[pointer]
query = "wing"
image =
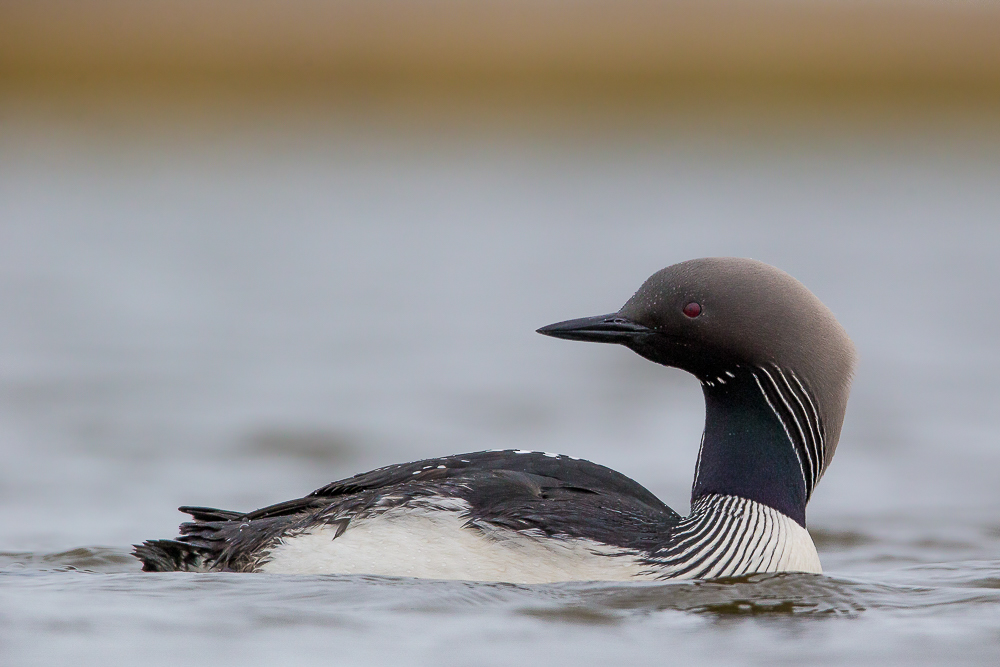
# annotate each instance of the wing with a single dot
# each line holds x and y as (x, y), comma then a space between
(523, 490)
(518, 489)
(614, 514)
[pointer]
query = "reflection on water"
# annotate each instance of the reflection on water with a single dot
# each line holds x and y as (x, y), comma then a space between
(237, 320)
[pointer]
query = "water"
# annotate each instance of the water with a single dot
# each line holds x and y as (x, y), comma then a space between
(233, 316)
(89, 605)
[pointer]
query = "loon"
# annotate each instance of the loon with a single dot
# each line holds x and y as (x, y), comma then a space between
(775, 368)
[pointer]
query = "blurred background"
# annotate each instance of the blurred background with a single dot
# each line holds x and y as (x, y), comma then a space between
(250, 247)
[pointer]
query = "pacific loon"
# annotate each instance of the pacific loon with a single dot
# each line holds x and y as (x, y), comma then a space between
(775, 367)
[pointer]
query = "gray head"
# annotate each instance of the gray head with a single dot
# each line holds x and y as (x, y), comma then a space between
(713, 316)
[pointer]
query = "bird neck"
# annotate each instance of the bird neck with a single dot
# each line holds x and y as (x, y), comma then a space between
(746, 450)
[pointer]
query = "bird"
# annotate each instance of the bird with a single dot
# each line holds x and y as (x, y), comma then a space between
(775, 368)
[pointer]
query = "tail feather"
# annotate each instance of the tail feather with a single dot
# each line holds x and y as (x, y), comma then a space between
(211, 514)
(220, 540)
(197, 549)
(171, 556)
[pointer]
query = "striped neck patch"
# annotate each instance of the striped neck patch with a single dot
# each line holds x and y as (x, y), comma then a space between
(794, 407)
(729, 536)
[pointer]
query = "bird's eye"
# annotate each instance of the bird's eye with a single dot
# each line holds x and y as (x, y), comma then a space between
(693, 309)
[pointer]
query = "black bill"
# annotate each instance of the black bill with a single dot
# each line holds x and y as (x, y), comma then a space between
(601, 329)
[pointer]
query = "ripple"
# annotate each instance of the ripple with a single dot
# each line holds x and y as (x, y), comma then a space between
(106, 560)
(772, 594)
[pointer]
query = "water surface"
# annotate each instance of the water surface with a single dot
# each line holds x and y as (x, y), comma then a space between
(236, 316)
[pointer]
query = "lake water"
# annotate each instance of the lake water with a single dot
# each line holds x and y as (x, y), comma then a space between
(234, 316)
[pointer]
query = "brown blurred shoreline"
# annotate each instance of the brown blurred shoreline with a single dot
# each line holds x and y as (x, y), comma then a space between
(473, 58)
(953, 46)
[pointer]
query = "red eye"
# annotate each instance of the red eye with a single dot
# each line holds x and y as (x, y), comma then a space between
(693, 309)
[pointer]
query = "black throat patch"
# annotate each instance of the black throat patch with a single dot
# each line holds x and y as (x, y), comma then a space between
(748, 448)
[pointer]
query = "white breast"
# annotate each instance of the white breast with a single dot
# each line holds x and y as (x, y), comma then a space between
(729, 536)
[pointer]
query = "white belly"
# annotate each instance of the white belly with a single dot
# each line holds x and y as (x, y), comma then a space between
(434, 544)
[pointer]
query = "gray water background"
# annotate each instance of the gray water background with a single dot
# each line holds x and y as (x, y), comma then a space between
(235, 313)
